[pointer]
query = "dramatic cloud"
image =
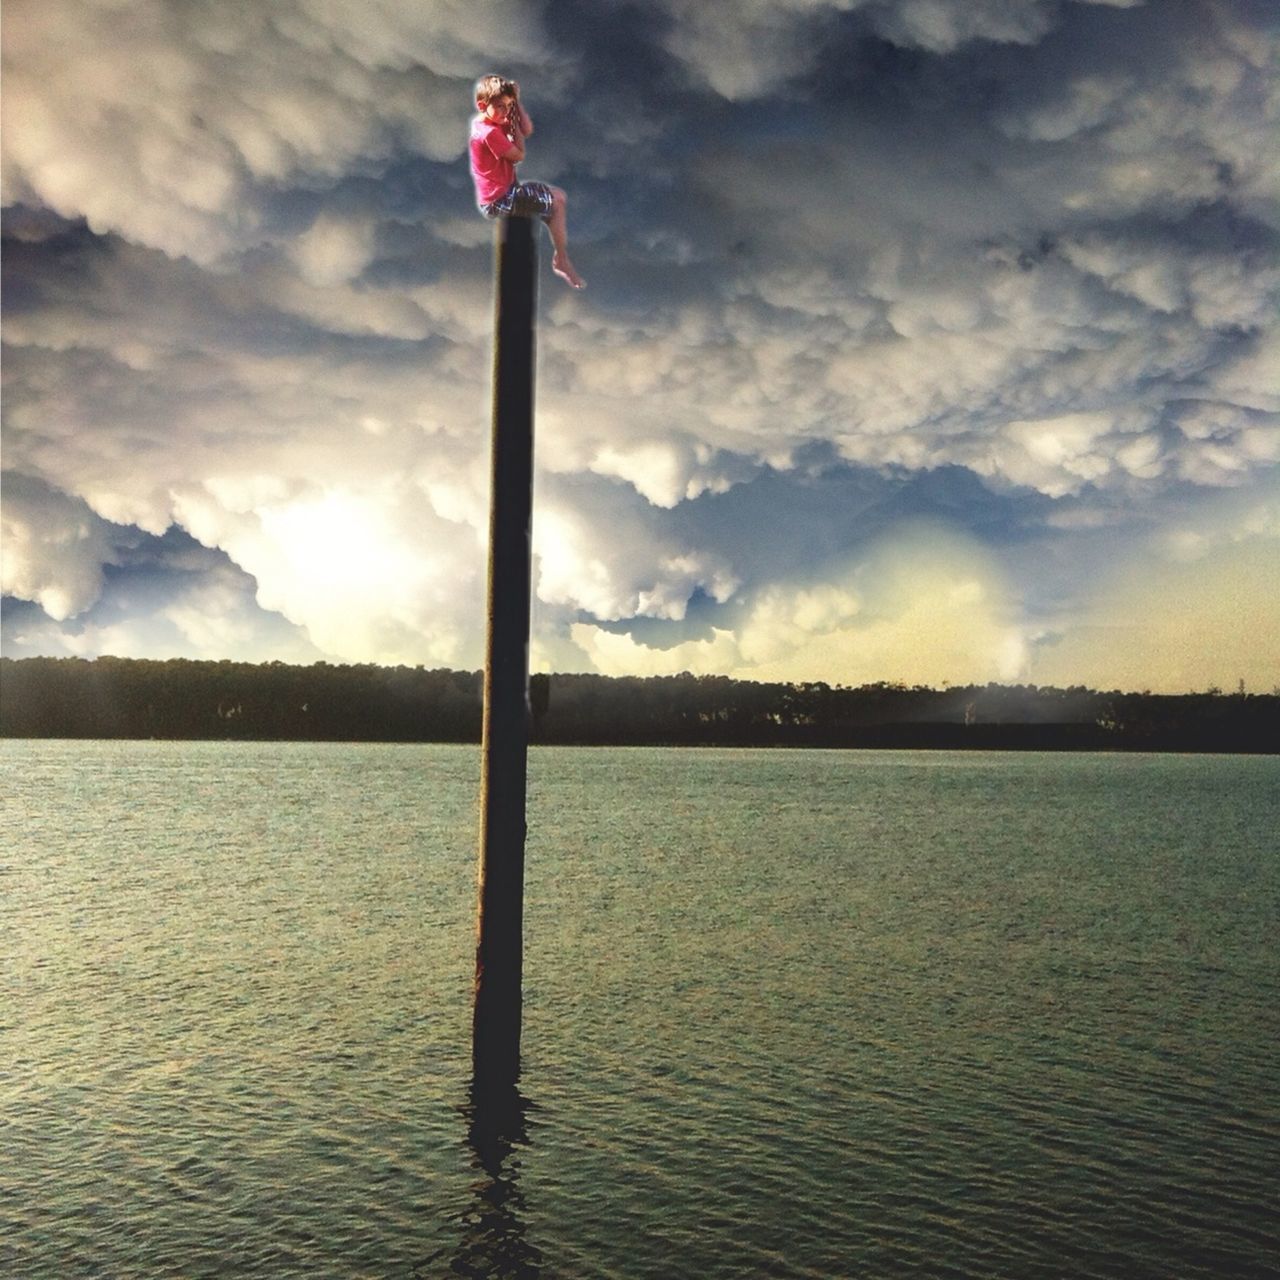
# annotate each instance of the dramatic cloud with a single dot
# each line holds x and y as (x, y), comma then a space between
(925, 604)
(54, 549)
(919, 333)
(193, 128)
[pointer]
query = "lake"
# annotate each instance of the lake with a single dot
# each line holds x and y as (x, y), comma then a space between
(787, 1014)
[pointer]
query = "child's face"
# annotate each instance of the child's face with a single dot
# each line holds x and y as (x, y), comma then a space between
(497, 109)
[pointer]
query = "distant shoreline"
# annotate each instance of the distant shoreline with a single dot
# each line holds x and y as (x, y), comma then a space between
(182, 700)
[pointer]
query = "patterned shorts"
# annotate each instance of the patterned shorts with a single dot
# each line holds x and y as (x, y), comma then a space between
(524, 200)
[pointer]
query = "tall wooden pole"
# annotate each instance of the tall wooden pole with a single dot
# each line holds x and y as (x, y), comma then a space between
(500, 915)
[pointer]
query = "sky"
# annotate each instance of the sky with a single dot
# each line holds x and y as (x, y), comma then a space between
(924, 340)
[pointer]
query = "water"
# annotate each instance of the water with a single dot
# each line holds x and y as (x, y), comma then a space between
(788, 1014)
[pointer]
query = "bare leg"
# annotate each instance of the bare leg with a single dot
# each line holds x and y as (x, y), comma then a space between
(560, 263)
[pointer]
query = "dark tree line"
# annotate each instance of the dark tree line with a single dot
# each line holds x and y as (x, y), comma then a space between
(126, 698)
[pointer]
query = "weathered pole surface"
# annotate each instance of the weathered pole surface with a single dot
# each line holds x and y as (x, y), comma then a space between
(500, 913)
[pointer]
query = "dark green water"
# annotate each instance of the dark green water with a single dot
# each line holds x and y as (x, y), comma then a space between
(793, 1014)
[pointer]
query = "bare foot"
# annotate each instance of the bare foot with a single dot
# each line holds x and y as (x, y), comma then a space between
(561, 265)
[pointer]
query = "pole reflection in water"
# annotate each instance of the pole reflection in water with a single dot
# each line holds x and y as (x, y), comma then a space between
(492, 1227)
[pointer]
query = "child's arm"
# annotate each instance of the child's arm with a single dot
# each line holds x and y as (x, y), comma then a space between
(524, 125)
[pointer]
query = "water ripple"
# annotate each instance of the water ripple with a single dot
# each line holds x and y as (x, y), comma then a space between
(807, 1015)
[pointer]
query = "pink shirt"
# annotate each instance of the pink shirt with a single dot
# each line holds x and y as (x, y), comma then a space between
(491, 172)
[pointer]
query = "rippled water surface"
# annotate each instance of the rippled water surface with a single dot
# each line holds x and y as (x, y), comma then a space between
(788, 1014)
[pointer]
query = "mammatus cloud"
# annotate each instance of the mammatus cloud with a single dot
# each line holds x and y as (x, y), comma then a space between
(180, 126)
(752, 48)
(323, 470)
(842, 243)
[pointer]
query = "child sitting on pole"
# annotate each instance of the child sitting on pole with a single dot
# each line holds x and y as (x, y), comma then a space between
(497, 146)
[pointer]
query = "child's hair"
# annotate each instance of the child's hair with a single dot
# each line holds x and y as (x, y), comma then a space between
(492, 86)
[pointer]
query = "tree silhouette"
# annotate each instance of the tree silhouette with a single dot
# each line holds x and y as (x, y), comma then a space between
(125, 698)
